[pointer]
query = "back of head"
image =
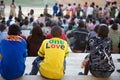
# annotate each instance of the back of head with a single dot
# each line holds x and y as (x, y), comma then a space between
(48, 23)
(31, 11)
(103, 21)
(2, 2)
(19, 6)
(114, 26)
(10, 17)
(14, 30)
(56, 31)
(26, 22)
(117, 20)
(81, 24)
(103, 31)
(96, 28)
(37, 31)
(55, 3)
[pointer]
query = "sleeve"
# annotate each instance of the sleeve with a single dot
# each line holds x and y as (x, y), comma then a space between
(69, 35)
(41, 51)
(66, 50)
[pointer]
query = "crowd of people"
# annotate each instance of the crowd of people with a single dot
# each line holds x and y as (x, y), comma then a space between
(85, 29)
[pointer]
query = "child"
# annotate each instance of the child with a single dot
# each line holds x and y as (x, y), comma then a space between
(13, 54)
(45, 10)
(99, 61)
(51, 56)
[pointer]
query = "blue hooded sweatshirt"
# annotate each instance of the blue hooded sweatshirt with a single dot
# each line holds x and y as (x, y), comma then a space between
(13, 58)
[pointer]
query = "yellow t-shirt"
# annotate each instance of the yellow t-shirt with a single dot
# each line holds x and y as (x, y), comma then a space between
(54, 52)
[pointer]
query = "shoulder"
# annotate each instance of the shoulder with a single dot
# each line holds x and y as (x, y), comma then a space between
(29, 37)
(109, 40)
(46, 40)
(81, 30)
(93, 39)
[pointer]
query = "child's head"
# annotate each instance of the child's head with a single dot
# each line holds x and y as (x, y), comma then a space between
(19, 6)
(114, 26)
(81, 24)
(46, 5)
(31, 11)
(56, 31)
(103, 31)
(14, 30)
(2, 2)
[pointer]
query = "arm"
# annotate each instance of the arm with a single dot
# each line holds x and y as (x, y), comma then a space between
(70, 34)
(41, 58)
(0, 56)
(41, 51)
(25, 54)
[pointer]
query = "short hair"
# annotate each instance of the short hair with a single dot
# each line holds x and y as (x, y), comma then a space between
(26, 22)
(81, 23)
(55, 3)
(41, 24)
(56, 31)
(103, 31)
(10, 17)
(96, 28)
(31, 11)
(2, 2)
(31, 19)
(103, 21)
(14, 30)
(48, 23)
(114, 26)
(117, 20)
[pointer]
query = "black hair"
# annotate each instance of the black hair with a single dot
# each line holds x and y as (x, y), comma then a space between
(103, 21)
(14, 30)
(117, 20)
(10, 17)
(31, 11)
(31, 19)
(114, 26)
(81, 24)
(56, 31)
(103, 31)
(26, 22)
(96, 28)
(41, 25)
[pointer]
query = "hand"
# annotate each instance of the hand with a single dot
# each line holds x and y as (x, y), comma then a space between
(0, 56)
(85, 62)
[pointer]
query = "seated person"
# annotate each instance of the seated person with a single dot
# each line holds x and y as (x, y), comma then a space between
(80, 36)
(51, 60)
(13, 50)
(34, 41)
(99, 61)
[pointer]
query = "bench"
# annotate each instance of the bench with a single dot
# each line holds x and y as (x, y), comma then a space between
(75, 77)
(73, 67)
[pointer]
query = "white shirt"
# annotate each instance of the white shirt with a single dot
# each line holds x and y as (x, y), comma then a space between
(90, 11)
